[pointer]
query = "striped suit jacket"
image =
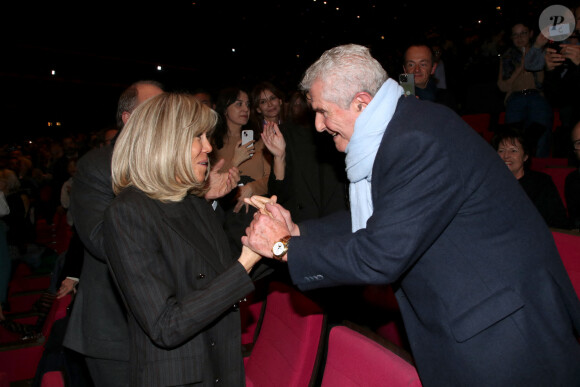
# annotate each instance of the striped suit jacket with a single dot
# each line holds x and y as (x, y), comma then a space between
(181, 285)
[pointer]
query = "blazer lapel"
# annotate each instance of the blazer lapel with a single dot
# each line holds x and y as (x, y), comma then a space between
(192, 225)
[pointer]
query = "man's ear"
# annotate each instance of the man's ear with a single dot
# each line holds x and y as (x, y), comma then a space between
(434, 67)
(361, 101)
(125, 117)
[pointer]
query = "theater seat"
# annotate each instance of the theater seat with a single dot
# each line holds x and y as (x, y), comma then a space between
(289, 345)
(480, 122)
(357, 360)
(20, 359)
(568, 244)
(52, 379)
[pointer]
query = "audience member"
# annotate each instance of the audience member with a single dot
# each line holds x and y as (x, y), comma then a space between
(252, 159)
(511, 145)
(561, 63)
(298, 111)
(204, 97)
(98, 325)
(419, 61)
(572, 184)
(267, 102)
(5, 261)
(524, 100)
(171, 313)
(434, 211)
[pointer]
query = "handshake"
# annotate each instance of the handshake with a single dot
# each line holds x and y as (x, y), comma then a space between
(271, 224)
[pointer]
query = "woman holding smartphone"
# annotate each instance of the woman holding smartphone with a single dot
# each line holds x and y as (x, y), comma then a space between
(252, 159)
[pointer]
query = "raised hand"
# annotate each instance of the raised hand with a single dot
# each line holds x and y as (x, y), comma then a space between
(243, 152)
(221, 183)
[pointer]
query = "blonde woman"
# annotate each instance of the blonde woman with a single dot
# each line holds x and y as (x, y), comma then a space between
(168, 253)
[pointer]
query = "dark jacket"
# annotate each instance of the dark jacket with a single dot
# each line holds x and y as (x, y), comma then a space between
(484, 295)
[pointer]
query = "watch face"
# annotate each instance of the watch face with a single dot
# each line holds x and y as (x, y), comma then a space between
(278, 248)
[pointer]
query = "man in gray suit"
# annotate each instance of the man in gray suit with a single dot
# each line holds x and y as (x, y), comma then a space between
(98, 326)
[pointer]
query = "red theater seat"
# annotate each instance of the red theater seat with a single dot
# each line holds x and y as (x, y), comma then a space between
(356, 360)
(288, 347)
(568, 244)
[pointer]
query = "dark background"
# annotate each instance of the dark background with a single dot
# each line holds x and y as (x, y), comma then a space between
(97, 49)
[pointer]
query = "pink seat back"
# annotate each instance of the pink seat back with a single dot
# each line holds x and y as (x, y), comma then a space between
(354, 360)
(480, 122)
(568, 244)
(287, 349)
(52, 379)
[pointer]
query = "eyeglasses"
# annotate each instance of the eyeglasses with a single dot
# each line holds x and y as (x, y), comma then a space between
(576, 145)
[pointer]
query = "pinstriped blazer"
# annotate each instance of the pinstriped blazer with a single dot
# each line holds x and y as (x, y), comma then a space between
(173, 267)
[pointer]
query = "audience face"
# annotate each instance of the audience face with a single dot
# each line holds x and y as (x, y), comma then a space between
(270, 106)
(338, 122)
(511, 152)
(419, 61)
(521, 36)
(204, 98)
(238, 113)
(576, 140)
(199, 156)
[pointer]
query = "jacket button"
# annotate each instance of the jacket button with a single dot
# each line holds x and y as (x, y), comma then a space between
(201, 276)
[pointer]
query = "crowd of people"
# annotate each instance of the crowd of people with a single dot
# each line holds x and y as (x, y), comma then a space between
(345, 180)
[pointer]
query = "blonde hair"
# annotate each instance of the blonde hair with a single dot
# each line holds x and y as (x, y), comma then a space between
(153, 151)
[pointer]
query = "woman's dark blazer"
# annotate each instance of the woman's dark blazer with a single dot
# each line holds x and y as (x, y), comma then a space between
(181, 285)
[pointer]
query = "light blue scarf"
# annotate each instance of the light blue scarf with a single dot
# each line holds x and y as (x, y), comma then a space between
(362, 149)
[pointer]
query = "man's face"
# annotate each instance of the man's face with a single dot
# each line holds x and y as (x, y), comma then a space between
(576, 140)
(331, 118)
(419, 61)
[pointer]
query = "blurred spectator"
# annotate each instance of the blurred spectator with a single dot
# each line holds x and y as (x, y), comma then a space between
(524, 100)
(511, 145)
(419, 61)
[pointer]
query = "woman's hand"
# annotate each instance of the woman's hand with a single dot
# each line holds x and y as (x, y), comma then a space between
(243, 152)
(244, 191)
(248, 258)
(572, 52)
(68, 285)
(553, 59)
(221, 183)
(274, 140)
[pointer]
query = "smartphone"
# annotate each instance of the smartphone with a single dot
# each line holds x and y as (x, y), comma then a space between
(407, 81)
(247, 136)
(555, 46)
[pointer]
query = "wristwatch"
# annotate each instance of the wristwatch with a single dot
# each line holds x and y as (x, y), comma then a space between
(280, 248)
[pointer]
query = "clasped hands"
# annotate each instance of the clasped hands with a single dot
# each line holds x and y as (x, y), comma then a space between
(271, 223)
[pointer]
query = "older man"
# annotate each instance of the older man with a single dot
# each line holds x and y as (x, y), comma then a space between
(484, 295)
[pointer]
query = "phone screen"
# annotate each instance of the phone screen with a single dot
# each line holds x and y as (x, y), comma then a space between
(407, 81)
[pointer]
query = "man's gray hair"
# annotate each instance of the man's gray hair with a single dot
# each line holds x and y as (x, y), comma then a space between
(345, 71)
